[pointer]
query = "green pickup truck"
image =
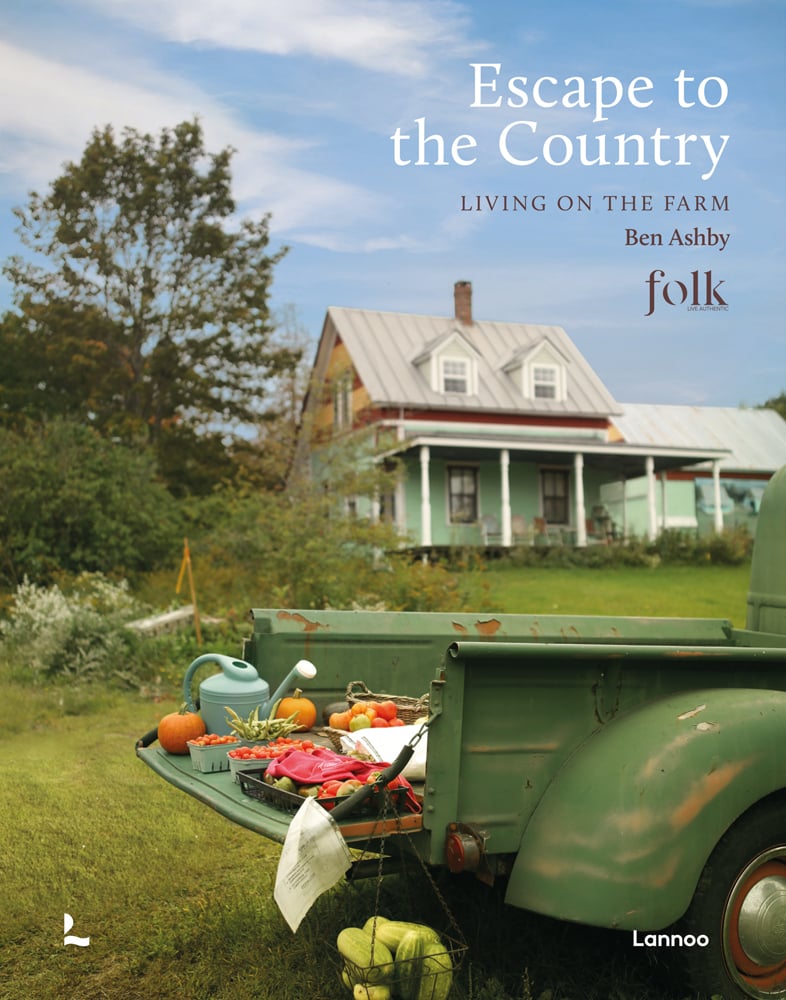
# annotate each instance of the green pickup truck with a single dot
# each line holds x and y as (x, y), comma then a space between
(619, 772)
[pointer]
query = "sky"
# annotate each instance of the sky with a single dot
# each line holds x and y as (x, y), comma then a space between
(662, 258)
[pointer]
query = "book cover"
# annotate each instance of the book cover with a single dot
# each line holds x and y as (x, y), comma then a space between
(613, 169)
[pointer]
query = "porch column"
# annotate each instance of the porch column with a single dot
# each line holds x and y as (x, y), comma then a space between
(401, 511)
(625, 510)
(717, 496)
(425, 496)
(504, 469)
(663, 513)
(581, 511)
(652, 525)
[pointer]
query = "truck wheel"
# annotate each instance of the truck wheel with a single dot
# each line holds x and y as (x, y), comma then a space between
(740, 905)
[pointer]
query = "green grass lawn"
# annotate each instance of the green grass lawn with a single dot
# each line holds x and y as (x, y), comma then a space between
(177, 901)
(666, 591)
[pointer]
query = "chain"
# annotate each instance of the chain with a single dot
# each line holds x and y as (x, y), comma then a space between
(389, 805)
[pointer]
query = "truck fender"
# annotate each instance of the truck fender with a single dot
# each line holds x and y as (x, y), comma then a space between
(622, 833)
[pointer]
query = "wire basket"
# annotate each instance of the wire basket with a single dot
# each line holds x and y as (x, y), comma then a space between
(252, 783)
(428, 978)
(408, 709)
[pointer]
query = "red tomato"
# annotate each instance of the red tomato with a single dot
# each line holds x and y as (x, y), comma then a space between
(379, 723)
(329, 788)
(396, 722)
(387, 710)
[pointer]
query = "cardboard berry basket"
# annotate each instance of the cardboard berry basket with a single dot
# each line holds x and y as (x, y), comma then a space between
(210, 758)
(238, 764)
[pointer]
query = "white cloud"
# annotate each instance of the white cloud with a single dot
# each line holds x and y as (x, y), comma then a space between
(48, 109)
(392, 36)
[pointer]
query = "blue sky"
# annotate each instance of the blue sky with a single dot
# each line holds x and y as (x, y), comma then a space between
(309, 93)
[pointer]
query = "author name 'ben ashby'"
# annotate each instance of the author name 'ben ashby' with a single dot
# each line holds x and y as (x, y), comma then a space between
(680, 238)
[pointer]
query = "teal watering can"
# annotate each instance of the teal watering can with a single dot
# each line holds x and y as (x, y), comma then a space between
(238, 687)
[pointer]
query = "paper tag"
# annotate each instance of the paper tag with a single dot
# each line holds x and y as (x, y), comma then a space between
(314, 857)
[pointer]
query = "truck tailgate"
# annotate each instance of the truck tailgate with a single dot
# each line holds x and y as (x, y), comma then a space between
(218, 790)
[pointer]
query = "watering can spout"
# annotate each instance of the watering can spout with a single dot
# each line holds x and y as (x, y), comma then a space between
(304, 669)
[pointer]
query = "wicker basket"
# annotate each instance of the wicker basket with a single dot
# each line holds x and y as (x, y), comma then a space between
(334, 736)
(409, 709)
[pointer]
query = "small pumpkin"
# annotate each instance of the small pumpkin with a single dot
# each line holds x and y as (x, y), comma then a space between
(305, 708)
(177, 728)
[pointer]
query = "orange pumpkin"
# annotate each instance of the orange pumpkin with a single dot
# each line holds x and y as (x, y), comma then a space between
(177, 728)
(305, 708)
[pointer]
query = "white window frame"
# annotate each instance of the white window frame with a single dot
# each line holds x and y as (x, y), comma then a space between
(562, 472)
(462, 373)
(342, 403)
(465, 468)
(546, 376)
(531, 379)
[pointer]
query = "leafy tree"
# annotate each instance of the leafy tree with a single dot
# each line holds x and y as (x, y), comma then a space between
(144, 308)
(297, 546)
(270, 457)
(73, 501)
(777, 403)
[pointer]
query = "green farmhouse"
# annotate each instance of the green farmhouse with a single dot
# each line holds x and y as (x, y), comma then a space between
(507, 436)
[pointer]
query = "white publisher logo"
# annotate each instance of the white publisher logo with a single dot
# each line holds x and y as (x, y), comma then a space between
(68, 923)
(670, 940)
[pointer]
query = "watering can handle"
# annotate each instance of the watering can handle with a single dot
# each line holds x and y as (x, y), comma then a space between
(238, 669)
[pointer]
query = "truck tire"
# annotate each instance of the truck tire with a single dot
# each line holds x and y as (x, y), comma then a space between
(740, 906)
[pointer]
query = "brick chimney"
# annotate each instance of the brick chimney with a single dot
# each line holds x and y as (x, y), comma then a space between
(462, 298)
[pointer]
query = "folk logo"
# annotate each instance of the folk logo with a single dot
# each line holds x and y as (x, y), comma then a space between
(68, 923)
(699, 292)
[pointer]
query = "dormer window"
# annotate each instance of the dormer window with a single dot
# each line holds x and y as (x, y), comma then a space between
(455, 375)
(540, 372)
(544, 381)
(450, 365)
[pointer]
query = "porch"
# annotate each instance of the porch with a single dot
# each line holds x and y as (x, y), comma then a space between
(496, 494)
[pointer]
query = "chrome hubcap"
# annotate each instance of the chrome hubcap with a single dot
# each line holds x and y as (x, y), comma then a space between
(762, 921)
(754, 927)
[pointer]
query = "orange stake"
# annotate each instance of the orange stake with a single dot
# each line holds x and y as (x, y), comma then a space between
(185, 566)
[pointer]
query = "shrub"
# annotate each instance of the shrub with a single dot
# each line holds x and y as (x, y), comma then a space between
(731, 547)
(77, 633)
(672, 547)
(418, 586)
(71, 501)
(632, 553)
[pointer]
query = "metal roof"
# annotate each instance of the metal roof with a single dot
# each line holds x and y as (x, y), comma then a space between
(384, 346)
(755, 439)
